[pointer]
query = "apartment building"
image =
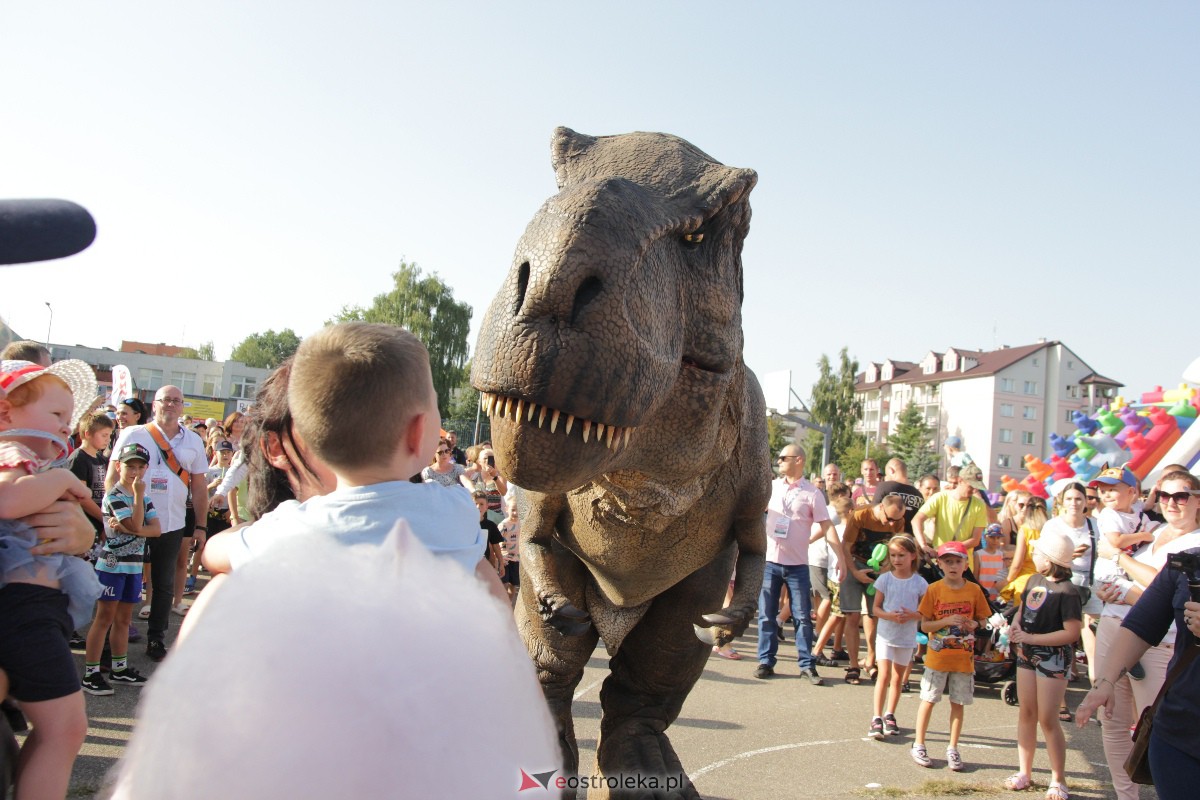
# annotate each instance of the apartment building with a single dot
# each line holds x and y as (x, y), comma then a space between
(1002, 403)
(210, 388)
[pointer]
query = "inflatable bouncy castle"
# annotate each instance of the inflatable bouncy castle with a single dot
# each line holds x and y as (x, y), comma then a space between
(1145, 435)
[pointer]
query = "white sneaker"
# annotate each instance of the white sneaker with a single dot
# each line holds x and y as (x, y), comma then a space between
(954, 761)
(144, 613)
(180, 609)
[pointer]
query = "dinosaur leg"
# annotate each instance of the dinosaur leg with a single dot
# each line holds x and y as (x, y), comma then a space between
(559, 660)
(657, 665)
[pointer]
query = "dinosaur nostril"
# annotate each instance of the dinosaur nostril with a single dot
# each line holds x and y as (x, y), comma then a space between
(522, 284)
(585, 294)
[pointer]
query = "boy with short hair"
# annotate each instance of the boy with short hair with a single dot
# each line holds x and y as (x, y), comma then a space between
(951, 611)
(90, 464)
(130, 519)
(362, 400)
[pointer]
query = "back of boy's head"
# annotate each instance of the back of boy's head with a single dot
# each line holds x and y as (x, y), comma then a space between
(354, 389)
(95, 421)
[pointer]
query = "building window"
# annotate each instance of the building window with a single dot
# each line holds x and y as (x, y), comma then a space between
(243, 386)
(186, 381)
(1068, 417)
(1002, 461)
(210, 385)
(1037, 362)
(1031, 387)
(1073, 392)
(1006, 409)
(1029, 412)
(1008, 385)
(1026, 437)
(149, 378)
(1006, 434)
(1070, 365)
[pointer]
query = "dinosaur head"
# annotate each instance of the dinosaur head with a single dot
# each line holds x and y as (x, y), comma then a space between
(621, 311)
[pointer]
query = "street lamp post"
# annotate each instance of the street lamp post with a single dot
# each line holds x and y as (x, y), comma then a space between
(49, 324)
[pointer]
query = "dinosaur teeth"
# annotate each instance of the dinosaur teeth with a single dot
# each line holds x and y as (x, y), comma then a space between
(612, 437)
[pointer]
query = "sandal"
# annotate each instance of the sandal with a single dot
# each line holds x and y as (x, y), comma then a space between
(732, 655)
(854, 676)
(872, 672)
(1017, 782)
(1064, 713)
(1057, 791)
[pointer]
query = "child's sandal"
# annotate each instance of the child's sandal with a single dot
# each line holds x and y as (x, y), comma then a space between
(1057, 791)
(854, 676)
(1017, 782)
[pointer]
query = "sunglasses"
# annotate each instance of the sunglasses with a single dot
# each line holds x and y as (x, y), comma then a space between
(442, 452)
(1022, 505)
(1179, 497)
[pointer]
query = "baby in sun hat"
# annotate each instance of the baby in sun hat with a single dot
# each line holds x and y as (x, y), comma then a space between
(39, 407)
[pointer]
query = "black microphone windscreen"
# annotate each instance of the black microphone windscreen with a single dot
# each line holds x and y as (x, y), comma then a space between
(41, 230)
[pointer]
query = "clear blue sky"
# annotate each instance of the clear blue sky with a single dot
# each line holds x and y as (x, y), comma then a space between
(930, 174)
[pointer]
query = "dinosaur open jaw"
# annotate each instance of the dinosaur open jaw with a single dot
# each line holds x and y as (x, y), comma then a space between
(517, 409)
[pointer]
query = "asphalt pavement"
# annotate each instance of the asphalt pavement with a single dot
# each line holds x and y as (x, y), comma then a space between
(743, 738)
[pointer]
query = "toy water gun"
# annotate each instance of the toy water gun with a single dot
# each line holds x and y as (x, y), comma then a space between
(875, 562)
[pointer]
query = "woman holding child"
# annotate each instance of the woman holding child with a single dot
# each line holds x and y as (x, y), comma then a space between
(1119, 590)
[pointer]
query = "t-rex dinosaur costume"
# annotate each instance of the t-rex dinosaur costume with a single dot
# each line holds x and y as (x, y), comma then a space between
(610, 364)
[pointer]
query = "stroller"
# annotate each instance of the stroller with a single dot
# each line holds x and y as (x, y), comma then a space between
(995, 662)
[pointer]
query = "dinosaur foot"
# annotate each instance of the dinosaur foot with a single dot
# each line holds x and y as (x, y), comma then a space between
(637, 763)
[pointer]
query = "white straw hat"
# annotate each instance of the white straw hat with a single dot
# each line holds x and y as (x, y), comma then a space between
(1056, 548)
(78, 375)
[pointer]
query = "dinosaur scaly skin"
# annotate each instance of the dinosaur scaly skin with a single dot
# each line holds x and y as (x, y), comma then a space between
(611, 368)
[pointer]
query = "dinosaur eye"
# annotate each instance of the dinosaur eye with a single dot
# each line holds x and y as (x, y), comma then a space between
(694, 238)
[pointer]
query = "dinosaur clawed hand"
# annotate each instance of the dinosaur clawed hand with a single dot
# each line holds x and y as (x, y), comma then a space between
(562, 615)
(723, 626)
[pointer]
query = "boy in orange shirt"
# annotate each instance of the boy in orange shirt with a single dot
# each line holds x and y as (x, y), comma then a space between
(951, 611)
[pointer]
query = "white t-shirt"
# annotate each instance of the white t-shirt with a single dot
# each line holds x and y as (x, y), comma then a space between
(1158, 560)
(1122, 522)
(899, 594)
(168, 493)
(445, 522)
(1079, 537)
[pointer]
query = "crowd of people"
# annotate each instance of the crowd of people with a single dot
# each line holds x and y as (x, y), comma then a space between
(920, 568)
(933, 573)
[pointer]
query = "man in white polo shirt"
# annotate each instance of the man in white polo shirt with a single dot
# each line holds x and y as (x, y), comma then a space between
(177, 467)
(796, 509)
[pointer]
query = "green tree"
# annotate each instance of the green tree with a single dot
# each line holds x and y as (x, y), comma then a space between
(204, 353)
(777, 438)
(465, 403)
(426, 307)
(857, 451)
(834, 404)
(266, 350)
(912, 440)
